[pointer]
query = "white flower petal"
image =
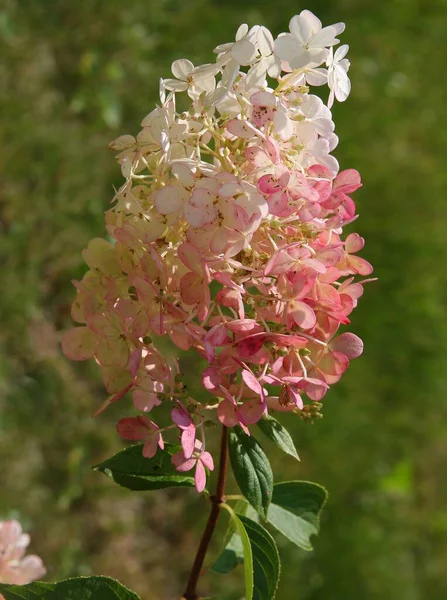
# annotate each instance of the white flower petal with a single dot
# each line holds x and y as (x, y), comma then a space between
(182, 68)
(242, 31)
(170, 199)
(341, 52)
(256, 75)
(122, 142)
(287, 47)
(316, 77)
(244, 52)
(229, 74)
(263, 99)
(174, 85)
(327, 36)
(312, 19)
(265, 41)
(301, 29)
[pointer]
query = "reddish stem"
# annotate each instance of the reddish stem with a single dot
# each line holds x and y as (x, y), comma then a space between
(216, 500)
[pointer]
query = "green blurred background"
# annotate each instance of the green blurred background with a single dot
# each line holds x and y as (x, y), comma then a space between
(73, 76)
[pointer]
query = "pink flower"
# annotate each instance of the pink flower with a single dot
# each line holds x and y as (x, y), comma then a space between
(199, 460)
(15, 567)
(182, 419)
(228, 244)
(141, 428)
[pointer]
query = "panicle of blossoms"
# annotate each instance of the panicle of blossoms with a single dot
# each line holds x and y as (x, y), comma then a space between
(227, 238)
(15, 567)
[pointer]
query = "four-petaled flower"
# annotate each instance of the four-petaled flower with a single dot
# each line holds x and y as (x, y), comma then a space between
(199, 459)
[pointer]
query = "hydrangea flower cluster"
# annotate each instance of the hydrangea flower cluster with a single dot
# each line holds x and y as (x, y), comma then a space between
(227, 237)
(15, 567)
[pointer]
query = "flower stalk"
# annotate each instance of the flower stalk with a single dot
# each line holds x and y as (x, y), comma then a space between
(216, 501)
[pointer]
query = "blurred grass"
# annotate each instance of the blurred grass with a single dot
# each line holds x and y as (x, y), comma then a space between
(75, 75)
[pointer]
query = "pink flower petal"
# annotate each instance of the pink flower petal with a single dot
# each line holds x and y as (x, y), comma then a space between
(251, 381)
(133, 428)
(200, 477)
(207, 460)
(188, 439)
(348, 344)
(79, 344)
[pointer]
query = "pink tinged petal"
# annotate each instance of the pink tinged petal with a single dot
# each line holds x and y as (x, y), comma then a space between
(334, 363)
(181, 464)
(231, 189)
(348, 344)
(240, 128)
(251, 411)
(190, 288)
(181, 417)
(250, 345)
(226, 413)
(190, 257)
(269, 184)
(170, 199)
(348, 181)
(200, 477)
(251, 382)
(30, 569)
(200, 210)
(112, 352)
(145, 401)
(354, 243)
(295, 396)
(134, 362)
(134, 428)
(207, 460)
(315, 389)
(220, 241)
(183, 173)
(263, 99)
(278, 204)
(302, 314)
(79, 344)
(188, 439)
(212, 379)
(257, 157)
(150, 446)
(360, 265)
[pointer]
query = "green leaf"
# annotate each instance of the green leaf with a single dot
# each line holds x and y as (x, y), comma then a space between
(247, 552)
(78, 588)
(130, 469)
(295, 510)
(233, 552)
(266, 563)
(251, 469)
(278, 434)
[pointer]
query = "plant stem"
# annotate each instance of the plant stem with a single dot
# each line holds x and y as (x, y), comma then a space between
(216, 500)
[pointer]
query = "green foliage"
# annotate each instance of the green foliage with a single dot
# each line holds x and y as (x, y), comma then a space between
(295, 510)
(130, 469)
(266, 565)
(251, 469)
(79, 588)
(278, 434)
(247, 551)
(259, 555)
